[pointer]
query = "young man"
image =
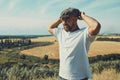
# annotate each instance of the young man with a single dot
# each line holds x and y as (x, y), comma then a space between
(74, 43)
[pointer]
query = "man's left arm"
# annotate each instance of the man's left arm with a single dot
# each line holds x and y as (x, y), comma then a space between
(94, 25)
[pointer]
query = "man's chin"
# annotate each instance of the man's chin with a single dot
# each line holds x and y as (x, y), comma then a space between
(67, 28)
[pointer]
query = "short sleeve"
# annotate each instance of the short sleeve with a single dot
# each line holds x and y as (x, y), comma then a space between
(57, 31)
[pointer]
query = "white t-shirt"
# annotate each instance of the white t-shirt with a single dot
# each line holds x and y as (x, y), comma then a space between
(73, 49)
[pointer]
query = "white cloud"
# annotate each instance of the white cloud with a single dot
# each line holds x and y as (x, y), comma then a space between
(18, 22)
(42, 16)
(12, 4)
(47, 5)
(98, 3)
(23, 25)
(1, 1)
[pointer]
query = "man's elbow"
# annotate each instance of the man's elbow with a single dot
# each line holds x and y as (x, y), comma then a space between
(50, 31)
(95, 30)
(99, 26)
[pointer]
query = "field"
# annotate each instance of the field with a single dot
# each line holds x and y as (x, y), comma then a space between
(96, 48)
(36, 58)
(50, 50)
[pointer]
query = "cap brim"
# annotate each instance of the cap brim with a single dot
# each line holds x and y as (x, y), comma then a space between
(64, 16)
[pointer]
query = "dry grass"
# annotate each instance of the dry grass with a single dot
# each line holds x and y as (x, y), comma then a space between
(41, 39)
(51, 51)
(105, 75)
(96, 48)
(104, 47)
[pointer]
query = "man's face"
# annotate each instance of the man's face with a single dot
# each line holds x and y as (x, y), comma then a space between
(68, 23)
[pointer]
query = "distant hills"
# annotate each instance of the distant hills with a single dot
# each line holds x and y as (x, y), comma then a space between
(35, 36)
(21, 36)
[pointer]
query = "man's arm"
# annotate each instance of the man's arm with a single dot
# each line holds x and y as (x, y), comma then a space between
(94, 25)
(54, 25)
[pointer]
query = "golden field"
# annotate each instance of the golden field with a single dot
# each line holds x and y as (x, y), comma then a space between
(105, 75)
(96, 48)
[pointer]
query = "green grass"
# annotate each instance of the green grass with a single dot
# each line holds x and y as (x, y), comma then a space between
(3, 59)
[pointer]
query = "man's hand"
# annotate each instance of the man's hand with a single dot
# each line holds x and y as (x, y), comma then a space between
(81, 15)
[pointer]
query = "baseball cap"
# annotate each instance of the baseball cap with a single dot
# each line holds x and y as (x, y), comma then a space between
(70, 12)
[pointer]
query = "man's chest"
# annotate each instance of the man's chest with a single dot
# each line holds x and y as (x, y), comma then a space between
(70, 40)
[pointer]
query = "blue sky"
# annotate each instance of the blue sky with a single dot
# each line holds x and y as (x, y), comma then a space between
(32, 17)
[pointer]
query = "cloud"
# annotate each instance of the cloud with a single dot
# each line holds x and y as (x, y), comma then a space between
(21, 22)
(26, 22)
(47, 5)
(34, 15)
(101, 5)
(12, 4)
(22, 25)
(1, 1)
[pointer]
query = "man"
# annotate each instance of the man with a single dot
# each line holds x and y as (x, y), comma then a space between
(74, 43)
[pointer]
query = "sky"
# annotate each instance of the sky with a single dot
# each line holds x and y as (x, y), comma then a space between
(32, 17)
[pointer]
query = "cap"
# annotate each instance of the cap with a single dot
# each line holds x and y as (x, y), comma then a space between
(70, 12)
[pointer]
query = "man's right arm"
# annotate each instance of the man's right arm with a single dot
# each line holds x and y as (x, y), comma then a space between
(54, 25)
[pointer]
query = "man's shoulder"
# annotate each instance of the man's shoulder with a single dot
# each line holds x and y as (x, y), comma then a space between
(57, 31)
